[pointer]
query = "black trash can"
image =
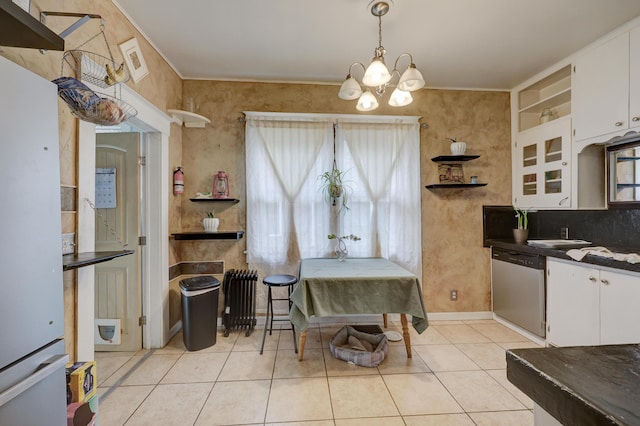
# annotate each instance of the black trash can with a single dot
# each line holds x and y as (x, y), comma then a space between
(199, 311)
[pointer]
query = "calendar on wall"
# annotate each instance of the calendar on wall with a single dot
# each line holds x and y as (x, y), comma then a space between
(106, 188)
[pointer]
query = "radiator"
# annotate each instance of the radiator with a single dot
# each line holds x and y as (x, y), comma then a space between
(239, 287)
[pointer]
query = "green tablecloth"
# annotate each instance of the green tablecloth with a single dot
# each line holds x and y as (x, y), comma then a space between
(356, 286)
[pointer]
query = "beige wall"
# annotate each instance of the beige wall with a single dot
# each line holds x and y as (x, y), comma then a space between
(452, 224)
(453, 256)
(162, 87)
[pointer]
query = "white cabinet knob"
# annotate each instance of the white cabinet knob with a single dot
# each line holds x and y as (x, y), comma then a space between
(619, 123)
(592, 279)
(605, 281)
(636, 118)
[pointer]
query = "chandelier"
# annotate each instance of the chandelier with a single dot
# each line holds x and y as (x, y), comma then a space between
(377, 76)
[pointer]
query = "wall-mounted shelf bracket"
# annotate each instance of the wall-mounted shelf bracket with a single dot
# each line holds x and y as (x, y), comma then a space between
(84, 18)
(189, 119)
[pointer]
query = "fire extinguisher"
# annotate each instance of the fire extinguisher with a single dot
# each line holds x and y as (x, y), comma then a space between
(178, 181)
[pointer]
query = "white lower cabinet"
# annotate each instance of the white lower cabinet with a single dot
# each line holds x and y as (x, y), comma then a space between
(591, 306)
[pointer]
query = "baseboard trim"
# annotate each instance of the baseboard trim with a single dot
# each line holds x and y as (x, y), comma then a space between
(175, 329)
(460, 316)
(533, 337)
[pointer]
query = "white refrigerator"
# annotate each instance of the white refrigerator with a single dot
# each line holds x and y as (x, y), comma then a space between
(32, 352)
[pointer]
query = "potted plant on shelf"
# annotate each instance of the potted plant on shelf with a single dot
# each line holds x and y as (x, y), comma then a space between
(521, 233)
(341, 248)
(211, 222)
(334, 188)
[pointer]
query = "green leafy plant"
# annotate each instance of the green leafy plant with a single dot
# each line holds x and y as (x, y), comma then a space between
(344, 237)
(341, 248)
(334, 187)
(521, 215)
(454, 140)
(211, 214)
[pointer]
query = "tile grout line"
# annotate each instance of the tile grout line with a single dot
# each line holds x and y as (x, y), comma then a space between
(126, 375)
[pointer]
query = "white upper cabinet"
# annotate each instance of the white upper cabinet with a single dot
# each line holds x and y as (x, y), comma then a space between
(634, 78)
(606, 84)
(542, 166)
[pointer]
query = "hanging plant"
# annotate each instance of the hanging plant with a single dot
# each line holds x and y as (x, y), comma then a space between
(334, 188)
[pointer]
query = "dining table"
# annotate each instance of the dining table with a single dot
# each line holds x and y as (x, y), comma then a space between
(356, 286)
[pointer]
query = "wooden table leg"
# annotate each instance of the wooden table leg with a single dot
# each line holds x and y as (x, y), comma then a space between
(303, 340)
(384, 319)
(405, 334)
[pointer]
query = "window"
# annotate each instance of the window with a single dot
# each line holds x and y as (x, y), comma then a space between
(288, 217)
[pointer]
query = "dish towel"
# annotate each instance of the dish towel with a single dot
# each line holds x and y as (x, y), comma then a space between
(579, 254)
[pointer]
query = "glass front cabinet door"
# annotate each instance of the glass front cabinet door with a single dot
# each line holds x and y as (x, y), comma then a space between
(541, 166)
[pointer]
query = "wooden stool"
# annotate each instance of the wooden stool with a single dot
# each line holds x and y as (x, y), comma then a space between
(279, 280)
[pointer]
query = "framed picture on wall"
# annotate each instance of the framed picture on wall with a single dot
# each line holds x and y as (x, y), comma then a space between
(134, 59)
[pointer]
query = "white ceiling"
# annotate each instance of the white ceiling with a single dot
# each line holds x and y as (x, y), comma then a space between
(474, 44)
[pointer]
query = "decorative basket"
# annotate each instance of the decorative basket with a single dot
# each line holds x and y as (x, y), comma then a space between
(96, 69)
(97, 108)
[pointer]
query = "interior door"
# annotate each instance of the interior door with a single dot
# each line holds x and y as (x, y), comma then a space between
(118, 282)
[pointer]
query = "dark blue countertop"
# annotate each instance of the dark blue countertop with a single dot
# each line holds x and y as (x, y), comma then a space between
(589, 259)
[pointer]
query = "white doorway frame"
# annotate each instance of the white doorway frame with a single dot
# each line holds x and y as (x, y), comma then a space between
(156, 126)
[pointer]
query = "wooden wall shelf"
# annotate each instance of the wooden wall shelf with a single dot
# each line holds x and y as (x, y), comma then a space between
(454, 185)
(189, 119)
(78, 260)
(215, 200)
(453, 159)
(19, 29)
(221, 235)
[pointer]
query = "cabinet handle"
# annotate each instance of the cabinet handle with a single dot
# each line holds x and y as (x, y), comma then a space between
(605, 281)
(563, 201)
(636, 118)
(564, 163)
(592, 279)
(619, 123)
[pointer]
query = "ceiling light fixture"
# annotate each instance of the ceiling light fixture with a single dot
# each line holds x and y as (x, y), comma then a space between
(377, 76)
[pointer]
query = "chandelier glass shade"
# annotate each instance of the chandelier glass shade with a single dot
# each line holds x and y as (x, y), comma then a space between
(377, 76)
(367, 102)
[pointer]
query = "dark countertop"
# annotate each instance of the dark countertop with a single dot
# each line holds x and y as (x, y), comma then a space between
(562, 254)
(588, 385)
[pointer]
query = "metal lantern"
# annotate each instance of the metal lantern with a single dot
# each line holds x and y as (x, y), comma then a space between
(221, 185)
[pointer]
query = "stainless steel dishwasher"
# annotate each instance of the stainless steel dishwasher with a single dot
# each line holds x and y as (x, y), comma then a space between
(518, 288)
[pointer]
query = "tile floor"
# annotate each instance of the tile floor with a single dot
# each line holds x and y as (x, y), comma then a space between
(456, 377)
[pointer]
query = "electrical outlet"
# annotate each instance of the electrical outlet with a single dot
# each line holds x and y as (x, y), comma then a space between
(68, 243)
(454, 295)
(564, 233)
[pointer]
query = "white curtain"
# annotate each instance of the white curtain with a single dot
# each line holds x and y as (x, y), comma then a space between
(288, 217)
(382, 161)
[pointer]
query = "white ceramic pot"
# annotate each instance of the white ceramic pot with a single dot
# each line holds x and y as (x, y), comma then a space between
(520, 235)
(210, 224)
(458, 148)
